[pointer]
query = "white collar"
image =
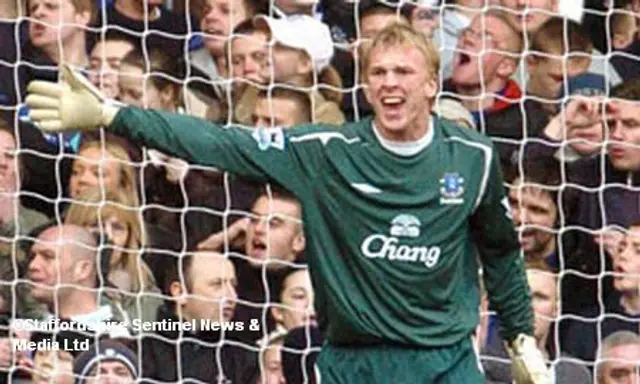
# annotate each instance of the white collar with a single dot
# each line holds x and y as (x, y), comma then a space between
(405, 148)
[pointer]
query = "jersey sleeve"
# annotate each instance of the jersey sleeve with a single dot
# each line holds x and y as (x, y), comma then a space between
(499, 250)
(261, 154)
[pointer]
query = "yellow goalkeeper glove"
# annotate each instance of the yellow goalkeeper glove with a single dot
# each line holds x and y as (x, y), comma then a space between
(527, 363)
(72, 104)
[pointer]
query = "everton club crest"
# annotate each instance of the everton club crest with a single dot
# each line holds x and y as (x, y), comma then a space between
(451, 188)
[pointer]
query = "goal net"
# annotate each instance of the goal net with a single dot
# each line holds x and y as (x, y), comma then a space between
(114, 252)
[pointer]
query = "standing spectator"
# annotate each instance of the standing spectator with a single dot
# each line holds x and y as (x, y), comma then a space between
(63, 273)
(105, 59)
(533, 199)
(202, 287)
(106, 362)
(151, 25)
(618, 359)
(281, 107)
(456, 17)
(544, 290)
(301, 57)
(249, 53)
(218, 18)
(621, 309)
(57, 34)
(529, 16)
(295, 306)
(481, 79)
(625, 43)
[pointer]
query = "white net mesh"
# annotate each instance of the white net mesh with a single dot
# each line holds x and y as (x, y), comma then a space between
(175, 246)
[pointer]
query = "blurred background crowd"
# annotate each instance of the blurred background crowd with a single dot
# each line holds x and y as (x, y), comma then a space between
(95, 228)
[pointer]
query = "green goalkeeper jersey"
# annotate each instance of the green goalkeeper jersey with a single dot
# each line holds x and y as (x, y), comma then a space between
(394, 242)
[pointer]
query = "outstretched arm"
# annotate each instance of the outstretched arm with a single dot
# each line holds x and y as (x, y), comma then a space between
(75, 104)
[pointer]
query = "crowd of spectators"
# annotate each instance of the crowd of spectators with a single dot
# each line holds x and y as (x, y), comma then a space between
(96, 229)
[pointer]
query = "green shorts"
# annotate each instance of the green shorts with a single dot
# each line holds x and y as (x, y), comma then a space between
(383, 364)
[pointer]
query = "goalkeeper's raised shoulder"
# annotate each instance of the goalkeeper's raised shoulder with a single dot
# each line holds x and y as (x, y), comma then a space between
(400, 211)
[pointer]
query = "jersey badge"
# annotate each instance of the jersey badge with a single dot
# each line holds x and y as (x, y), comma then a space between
(451, 189)
(405, 225)
(269, 138)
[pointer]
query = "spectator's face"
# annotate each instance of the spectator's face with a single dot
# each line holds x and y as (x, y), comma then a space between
(535, 213)
(287, 65)
(152, 3)
(543, 286)
(53, 21)
(620, 365)
(546, 73)
(272, 365)
(277, 112)
(538, 11)
(371, 25)
(623, 123)
(296, 302)
(91, 170)
(477, 60)
(213, 289)
(139, 91)
(50, 266)
(626, 263)
(104, 65)
(110, 372)
(116, 231)
(425, 20)
(249, 57)
(52, 367)
(219, 19)
(8, 174)
(400, 87)
(275, 233)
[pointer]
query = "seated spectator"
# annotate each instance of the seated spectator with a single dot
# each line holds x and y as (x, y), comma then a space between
(295, 306)
(107, 362)
(299, 354)
(620, 310)
(116, 223)
(544, 287)
(618, 359)
(57, 33)
(271, 361)
(481, 80)
(282, 107)
(273, 240)
(109, 169)
(104, 62)
(625, 43)
(298, 58)
(63, 274)
(202, 289)
(161, 28)
(533, 198)
(529, 17)
(15, 219)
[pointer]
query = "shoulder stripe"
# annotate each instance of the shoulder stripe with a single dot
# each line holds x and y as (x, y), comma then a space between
(488, 153)
(324, 137)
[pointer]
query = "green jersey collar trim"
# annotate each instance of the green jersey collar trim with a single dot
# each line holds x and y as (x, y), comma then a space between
(406, 148)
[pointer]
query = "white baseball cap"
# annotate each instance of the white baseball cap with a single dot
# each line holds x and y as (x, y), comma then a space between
(302, 32)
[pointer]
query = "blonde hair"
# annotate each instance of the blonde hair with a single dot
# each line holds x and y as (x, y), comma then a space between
(128, 182)
(397, 34)
(93, 209)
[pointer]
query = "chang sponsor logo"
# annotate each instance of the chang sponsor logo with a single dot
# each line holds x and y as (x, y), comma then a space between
(381, 246)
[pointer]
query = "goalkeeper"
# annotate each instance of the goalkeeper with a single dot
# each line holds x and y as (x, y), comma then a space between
(396, 210)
